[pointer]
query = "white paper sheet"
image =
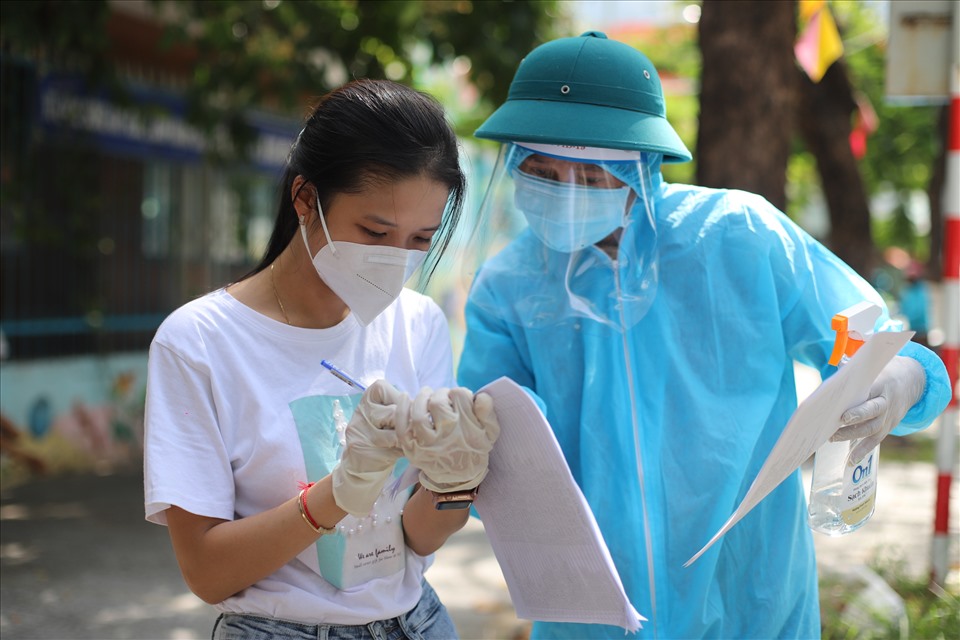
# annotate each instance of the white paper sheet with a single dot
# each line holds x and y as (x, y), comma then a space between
(815, 420)
(543, 533)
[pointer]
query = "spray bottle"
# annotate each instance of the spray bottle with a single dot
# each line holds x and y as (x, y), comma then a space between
(843, 491)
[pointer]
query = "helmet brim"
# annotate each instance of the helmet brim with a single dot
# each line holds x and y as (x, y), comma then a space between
(575, 123)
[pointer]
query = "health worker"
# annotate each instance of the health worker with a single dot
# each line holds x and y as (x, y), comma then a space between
(659, 323)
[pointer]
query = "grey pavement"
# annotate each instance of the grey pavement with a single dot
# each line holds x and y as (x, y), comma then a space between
(78, 560)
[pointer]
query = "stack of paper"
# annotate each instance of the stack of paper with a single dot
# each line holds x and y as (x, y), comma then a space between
(815, 420)
(543, 533)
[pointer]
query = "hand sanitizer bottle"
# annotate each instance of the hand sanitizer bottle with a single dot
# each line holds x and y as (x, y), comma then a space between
(843, 492)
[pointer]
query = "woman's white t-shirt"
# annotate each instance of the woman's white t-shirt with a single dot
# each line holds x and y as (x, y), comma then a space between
(239, 412)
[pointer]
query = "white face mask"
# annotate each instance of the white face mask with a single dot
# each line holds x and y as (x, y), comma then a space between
(368, 278)
(569, 217)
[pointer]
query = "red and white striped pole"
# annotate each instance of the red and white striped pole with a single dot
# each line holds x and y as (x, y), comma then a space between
(950, 350)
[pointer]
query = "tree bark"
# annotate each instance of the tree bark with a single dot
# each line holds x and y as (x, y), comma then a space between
(747, 97)
(825, 115)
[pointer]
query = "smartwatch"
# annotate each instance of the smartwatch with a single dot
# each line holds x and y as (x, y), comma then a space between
(453, 499)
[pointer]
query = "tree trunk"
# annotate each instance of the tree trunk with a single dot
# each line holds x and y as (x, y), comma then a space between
(747, 96)
(825, 115)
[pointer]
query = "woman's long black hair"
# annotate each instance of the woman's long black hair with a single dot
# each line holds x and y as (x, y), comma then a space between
(371, 132)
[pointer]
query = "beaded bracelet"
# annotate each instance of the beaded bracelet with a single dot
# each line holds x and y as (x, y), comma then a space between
(305, 513)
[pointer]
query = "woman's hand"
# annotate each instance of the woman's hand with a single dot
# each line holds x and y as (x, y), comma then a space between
(372, 448)
(449, 437)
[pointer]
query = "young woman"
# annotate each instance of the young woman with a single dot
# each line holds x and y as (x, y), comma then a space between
(279, 503)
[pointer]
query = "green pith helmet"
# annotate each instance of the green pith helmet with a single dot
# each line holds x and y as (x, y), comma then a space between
(587, 91)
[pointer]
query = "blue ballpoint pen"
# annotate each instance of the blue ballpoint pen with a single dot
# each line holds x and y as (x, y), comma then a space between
(340, 374)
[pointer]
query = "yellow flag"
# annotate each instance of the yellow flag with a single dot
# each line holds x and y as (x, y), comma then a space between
(810, 7)
(819, 44)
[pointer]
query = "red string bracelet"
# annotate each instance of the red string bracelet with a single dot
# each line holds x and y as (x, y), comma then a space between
(305, 512)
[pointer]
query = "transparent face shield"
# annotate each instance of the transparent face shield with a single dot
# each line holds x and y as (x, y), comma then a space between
(566, 233)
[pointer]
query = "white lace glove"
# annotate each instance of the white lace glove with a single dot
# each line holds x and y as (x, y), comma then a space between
(897, 388)
(449, 438)
(371, 449)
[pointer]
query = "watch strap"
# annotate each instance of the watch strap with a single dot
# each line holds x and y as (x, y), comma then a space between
(453, 499)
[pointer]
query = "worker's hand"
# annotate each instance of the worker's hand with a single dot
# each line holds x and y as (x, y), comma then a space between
(371, 448)
(897, 388)
(449, 437)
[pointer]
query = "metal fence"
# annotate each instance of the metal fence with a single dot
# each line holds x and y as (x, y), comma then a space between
(100, 240)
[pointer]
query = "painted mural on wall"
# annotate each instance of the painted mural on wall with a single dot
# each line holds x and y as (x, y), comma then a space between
(74, 415)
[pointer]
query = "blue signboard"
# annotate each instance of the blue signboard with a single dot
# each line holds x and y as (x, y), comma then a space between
(64, 102)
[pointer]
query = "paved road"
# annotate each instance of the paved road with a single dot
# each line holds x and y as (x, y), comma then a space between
(78, 561)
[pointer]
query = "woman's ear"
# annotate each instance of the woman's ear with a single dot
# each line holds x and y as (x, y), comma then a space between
(304, 197)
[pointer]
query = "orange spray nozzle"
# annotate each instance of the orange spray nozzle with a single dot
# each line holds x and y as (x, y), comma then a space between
(852, 326)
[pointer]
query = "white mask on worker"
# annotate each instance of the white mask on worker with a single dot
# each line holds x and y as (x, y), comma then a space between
(368, 278)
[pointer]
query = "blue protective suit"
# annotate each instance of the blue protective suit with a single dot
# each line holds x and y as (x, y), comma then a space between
(706, 380)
